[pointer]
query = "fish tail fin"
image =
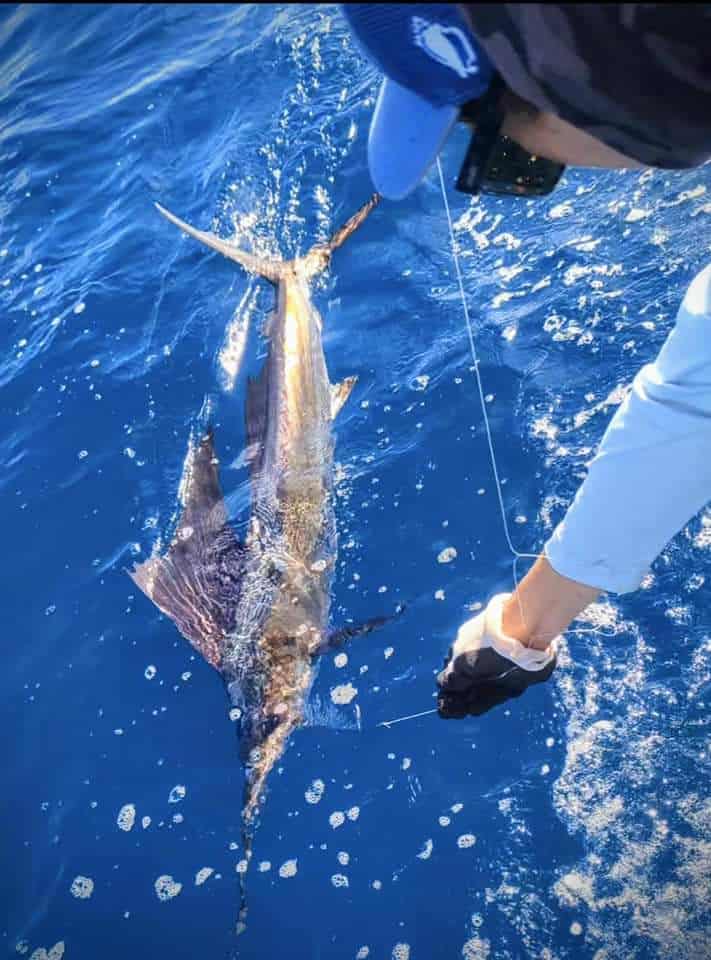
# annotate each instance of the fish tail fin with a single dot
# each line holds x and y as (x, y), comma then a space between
(318, 257)
(272, 270)
(247, 843)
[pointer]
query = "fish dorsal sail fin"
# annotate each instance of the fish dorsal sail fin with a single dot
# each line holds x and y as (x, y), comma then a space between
(340, 392)
(197, 581)
(271, 269)
(317, 259)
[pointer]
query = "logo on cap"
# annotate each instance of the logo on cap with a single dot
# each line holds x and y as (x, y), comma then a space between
(448, 45)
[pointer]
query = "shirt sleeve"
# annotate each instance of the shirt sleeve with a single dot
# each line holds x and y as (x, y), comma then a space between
(652, 470)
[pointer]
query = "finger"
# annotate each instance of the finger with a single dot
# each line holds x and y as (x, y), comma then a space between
(451, 707)
(458, 675)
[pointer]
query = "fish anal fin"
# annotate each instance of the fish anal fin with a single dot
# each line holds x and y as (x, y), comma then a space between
(338, 638)
(340, 392)
(197, 581)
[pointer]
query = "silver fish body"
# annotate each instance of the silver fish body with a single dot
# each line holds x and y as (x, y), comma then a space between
(258, 610)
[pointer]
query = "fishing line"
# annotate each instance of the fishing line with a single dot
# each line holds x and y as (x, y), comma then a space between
(517, 554)
(411, 716)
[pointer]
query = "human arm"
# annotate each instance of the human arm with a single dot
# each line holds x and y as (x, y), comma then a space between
(651, 473)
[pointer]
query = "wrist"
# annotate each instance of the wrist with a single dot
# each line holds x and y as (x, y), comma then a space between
(514, 625)
(523, 655)
(543, 605)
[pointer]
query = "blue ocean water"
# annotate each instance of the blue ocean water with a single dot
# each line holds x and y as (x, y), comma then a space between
(574, 824)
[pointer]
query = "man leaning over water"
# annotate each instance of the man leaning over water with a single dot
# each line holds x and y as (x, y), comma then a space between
(545, 86)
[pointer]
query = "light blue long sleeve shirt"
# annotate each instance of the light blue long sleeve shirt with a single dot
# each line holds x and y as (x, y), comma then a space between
(652, 470)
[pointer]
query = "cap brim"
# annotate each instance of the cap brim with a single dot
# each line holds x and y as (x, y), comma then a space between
(406, 134)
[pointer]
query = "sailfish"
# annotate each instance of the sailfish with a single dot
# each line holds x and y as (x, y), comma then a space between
(258, 609)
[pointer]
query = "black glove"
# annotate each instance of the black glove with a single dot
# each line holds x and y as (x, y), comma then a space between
(485, 667)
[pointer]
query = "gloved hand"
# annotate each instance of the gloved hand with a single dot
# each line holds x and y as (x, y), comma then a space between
(485, 667)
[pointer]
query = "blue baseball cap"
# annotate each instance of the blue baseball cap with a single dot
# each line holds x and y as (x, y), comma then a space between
(432, 64)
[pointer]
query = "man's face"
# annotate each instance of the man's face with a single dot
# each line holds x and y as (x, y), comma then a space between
(546, 135)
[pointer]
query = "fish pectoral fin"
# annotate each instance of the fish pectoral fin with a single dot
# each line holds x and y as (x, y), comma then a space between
(270, 269)
(339, 638)
(340, 392)
(198, 580)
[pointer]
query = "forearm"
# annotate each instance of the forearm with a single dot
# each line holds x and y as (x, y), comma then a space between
(651, 474)
(543, 605)
(652, 470)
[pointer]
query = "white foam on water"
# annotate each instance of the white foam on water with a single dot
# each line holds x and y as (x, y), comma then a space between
(314, 793)
(202, 875)
(166, 887)
(40, 953)
(343, 694)
(82, 887)
(288, 869)
(177, 793)
(447, 555)
(477, 949)
(401, 951)
(636, 214)
(426, 851)
(126, 817)
(648, 859)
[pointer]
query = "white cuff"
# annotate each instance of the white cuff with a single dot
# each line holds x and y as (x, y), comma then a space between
(525, 657)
